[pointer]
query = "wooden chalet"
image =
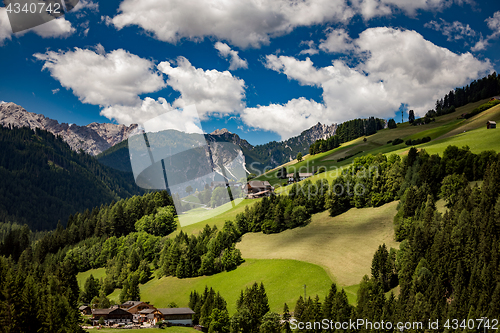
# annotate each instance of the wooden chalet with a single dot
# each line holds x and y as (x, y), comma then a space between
(258, 189)
(85, 310)
(175, 316)
(147, 316)
(111, 316)
(491, 124)
(135, 306)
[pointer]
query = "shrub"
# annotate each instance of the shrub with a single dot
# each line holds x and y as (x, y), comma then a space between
(397, 141)
(410, 142)
(481, 108)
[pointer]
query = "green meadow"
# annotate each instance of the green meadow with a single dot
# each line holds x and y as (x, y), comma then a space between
(283, 279)
(343, 245)
(98, 273)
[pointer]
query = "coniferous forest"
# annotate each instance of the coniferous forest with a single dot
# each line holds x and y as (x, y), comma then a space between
(44, 181)
(446, 267)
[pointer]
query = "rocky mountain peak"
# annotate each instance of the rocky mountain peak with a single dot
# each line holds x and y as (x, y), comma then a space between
(220, 132)
(93, 138)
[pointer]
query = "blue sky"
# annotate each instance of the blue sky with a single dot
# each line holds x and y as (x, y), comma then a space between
(266, 69)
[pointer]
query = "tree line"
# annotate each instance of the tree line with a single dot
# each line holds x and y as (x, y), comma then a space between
(347, 131)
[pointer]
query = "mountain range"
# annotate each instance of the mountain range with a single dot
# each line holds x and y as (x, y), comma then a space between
(92, 139)
(108, 142)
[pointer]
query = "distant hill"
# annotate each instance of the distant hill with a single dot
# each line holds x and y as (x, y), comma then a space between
(271, 154)
(44, 180)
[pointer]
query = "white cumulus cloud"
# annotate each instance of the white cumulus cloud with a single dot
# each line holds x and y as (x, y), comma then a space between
(288, 119)
(396, 66)
(117, 77)
(5, 28)
(494, 24)
(337, 41)
(156, 112)
(369, 9)
(60, 28)
(210, 90)
(453, 31)
(234, 59)
(86, 4)
(243, 23)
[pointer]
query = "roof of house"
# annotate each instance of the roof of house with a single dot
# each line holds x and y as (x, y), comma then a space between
(258, 183)
(147, 311)
(175, 311)
(129, 304)
(491, 122)
(83, 307)
(99, 312)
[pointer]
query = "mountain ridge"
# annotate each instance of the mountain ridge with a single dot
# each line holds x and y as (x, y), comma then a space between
(93, 138)
(97, 138)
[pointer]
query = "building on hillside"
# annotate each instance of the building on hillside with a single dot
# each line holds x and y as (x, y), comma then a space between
(111, 316)
(302, 176)
(258, 189)
(135, 306)
(85, 310)
(147, 316)
(175, 316)
(491, 124)
(495, 98)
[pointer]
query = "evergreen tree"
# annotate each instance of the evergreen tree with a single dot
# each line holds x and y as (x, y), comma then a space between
(411, 116)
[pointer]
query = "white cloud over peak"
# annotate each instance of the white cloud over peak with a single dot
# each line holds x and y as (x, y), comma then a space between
(234, 59)
(396, 67)
(210, 90)
(287, 120)
(117, 77)
(245, 23)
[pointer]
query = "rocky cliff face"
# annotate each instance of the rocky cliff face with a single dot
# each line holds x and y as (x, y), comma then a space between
(93, 138)
(318, 131)
(274, 153)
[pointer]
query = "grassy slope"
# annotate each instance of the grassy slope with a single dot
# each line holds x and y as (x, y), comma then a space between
(344, 245)
(329, 249)
(283, 279)
(195, 220)
(97, 273)
(446, 130)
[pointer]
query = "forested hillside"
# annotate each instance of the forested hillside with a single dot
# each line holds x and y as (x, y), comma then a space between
(44, 181)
